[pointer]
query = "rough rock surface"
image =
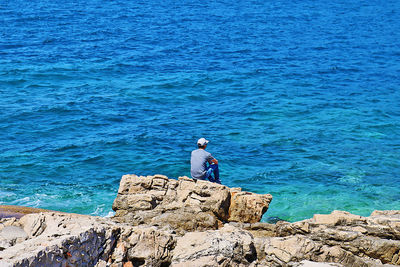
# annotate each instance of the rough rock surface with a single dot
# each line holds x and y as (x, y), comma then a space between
(336, 239)
(340, 237)
(185, 204)
(246, 206)
(228, 246)
(55, 239)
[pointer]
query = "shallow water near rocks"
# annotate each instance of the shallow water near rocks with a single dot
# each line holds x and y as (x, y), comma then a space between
(299, 100)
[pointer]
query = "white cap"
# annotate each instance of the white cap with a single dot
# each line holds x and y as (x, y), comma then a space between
(202, 142)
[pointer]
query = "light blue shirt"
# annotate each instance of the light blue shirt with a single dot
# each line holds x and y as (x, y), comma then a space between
(198, 163)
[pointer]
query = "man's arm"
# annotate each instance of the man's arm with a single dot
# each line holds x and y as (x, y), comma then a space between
(215, 161)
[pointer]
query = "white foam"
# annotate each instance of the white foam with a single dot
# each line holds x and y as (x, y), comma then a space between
(110, 214)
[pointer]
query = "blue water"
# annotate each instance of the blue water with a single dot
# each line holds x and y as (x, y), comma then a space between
(300, 99)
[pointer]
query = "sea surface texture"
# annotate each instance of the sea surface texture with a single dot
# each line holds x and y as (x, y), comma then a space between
(299, 99)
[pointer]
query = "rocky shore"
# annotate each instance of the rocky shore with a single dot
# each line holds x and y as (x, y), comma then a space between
(167, 222)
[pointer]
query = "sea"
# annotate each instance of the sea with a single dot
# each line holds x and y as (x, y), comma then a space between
(299, 99)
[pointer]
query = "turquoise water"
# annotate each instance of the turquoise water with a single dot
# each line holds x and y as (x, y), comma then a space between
(299, 100)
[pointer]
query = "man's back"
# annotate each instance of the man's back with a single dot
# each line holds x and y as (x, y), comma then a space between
(198, 162)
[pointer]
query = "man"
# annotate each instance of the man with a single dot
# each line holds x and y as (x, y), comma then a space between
(198, 161)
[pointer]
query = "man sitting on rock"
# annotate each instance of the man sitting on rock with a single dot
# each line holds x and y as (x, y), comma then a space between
(198, 161)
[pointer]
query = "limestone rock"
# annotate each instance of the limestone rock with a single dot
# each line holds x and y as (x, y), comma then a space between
(10, 235)
(54, 239)
(339, 218)
(184, 204)
(339, 237)
(391, 213)
(248, 207)
(150, 246)
(282, 251)
(228, 246)
(143, 245)
(306, 263)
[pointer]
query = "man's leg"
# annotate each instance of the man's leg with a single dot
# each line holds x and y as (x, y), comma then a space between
(213, 168)
(208, 174)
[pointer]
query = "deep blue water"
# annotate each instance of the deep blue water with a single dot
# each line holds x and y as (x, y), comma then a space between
(300, 99)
